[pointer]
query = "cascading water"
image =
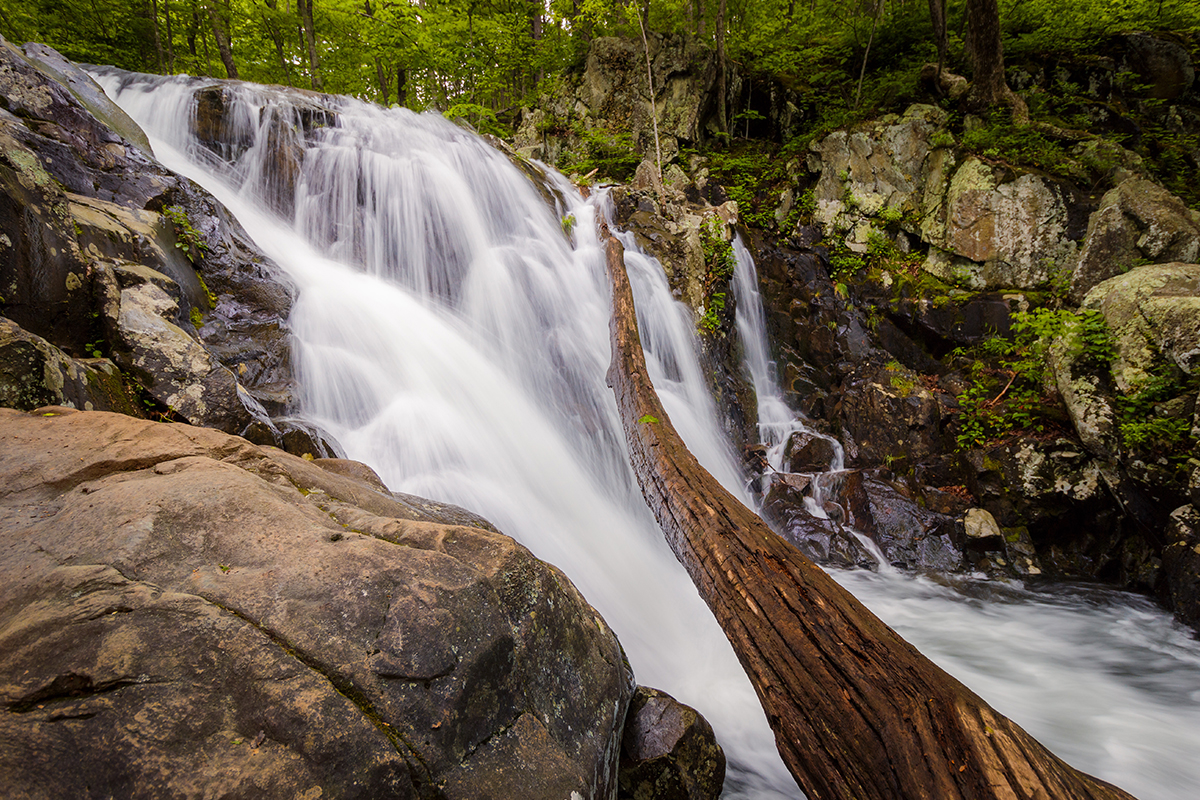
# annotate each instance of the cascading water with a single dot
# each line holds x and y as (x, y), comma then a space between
(452, 333)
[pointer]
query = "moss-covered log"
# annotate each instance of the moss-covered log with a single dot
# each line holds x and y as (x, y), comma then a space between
(857, 711)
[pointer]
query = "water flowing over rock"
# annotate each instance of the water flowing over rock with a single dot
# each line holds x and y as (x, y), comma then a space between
(188, 613)
(109, 255)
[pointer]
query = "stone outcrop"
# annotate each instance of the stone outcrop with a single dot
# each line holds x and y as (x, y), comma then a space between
(992, 230)
(1137, 223)
(108, 255)
(880, 165)
(1153, 312)
(610, 96)
(668, 751)
(188, 614)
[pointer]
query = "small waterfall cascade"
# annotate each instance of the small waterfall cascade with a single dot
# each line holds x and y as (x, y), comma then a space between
(776, 421)
(451, 330)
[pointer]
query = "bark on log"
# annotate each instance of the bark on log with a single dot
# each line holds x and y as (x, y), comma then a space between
(857, 711)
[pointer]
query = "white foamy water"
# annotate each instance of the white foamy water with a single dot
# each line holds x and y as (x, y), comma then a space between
(450, 334)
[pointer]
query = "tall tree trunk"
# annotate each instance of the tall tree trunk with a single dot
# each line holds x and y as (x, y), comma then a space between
(310, 41)
(988, 88)
(191, 31)
(653, 108)
(536, 32)
(401, 86)
(381, 75)
(276, 34)
(170, 37)
(862, 73)
(937, 17)
(722, 68)
(857, 712)
(220, 29)
(158, 48)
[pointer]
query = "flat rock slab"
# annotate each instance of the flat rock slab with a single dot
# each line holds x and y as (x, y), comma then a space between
(186, 614)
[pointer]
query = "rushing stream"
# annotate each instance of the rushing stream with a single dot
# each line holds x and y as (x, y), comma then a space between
(451, 331)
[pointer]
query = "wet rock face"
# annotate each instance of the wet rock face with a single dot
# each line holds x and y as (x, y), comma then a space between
(668, 751)
(910, 537)
(823, 540)
(93, 226)
(889, 414)
(1181, 565)
(285, 127)
(189, 613)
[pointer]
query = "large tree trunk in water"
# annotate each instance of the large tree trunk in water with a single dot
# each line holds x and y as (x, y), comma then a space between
(988, 88)
(857, 711)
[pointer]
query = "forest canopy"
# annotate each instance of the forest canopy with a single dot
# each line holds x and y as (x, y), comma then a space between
(493, 56)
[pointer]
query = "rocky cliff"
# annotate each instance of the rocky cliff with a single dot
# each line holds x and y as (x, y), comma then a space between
(1005, 349)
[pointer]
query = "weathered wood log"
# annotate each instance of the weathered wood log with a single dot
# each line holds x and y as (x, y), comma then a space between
(857, 711)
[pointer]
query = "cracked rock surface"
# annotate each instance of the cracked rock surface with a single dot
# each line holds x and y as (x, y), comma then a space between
(186, 614)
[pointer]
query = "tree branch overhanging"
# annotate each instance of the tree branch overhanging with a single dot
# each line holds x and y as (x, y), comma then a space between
(857, 711)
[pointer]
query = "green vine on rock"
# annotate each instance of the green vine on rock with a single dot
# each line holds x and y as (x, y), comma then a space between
(1008, 378)
(719, 264)
(187, 238)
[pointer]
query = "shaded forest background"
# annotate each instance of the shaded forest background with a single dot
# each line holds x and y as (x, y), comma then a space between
(855, 57)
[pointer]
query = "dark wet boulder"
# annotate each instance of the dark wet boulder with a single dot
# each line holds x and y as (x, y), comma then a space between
(808, 452)
(1181, 565)
(909, 536)
(821, 539)
(889, 415)
(668, 751)
(186, 614)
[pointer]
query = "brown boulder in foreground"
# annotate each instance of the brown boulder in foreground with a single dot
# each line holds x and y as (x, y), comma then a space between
(185, 614)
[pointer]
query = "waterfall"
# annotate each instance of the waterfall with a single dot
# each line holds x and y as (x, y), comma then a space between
(451, 331)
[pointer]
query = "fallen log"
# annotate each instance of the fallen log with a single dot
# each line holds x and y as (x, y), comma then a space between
(858, 713)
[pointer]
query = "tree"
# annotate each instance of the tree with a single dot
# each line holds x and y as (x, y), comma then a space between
(310, 41)
(218, 15)
(857, 712)
(988, 88)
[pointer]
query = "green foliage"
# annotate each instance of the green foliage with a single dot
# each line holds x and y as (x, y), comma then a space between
(648, 419)
(719, 261)
(610, 155)
(753, 176)
(197, 318)
(900, 379)
(1143, 428)
(711, 321)
(187, 238)
(719, 264)
(1008, 378)
(999, 138)
(481, 118)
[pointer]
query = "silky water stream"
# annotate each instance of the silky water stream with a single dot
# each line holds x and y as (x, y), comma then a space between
(452, 332)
